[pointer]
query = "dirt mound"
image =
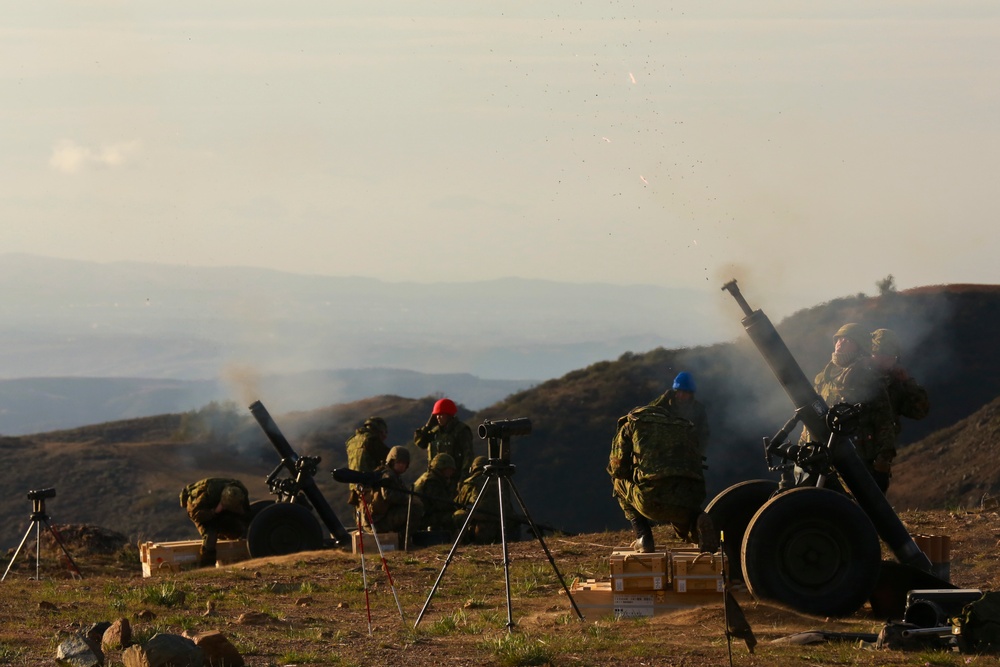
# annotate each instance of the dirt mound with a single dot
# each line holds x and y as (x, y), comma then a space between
(85, 539)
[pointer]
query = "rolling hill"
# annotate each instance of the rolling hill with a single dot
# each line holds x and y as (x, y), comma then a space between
(127, 474)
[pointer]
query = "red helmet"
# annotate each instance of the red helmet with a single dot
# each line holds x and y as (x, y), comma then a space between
(445, 406)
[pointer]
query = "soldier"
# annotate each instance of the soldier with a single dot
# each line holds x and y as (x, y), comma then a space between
(906, 397)
(366, 450)
(850, 377)
(680, 400)
(484, 526)
(391, 504)
(435, 490)
(657, 475)
(445, 434)
(219, 507)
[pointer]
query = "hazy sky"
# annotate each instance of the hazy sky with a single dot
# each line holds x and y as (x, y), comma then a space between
(815, 146)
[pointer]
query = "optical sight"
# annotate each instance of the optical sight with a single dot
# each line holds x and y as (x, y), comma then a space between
(504, 428)
(41, 494)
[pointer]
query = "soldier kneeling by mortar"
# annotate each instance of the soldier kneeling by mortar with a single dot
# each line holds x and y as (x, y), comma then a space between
(657, 474)
(219, 507)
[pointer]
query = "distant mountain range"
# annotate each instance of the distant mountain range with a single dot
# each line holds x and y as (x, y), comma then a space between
(84, 342)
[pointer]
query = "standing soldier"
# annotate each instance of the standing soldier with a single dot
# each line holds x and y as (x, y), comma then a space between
(657, 475)
(850, 377)
(435, 490)
(445, 434)
(680, 400)
(906, 397)
(366, 450)
(219, 507)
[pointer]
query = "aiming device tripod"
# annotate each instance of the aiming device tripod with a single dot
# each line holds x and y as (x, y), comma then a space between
(39, 517)
(500, 469)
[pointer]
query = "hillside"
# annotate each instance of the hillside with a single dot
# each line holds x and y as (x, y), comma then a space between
(134, 471)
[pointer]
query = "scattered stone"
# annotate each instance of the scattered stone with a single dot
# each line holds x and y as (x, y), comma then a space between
(96, 631)
(164, 650)
(45, 605)
(303, 602)
(145, 615)
(118, 636)
(217, 649)
(276, 587)
(343, 605)
(254, 618)
(78, 651)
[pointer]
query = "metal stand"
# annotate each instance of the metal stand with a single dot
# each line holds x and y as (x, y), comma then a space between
(500, 470)
(39, 517)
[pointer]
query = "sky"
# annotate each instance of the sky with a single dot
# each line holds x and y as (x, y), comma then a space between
(806, 148)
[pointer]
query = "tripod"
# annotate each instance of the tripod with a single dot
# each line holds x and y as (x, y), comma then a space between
(500, 470)
(39, 517)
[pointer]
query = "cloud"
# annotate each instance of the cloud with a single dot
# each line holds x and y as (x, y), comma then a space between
(70, 157)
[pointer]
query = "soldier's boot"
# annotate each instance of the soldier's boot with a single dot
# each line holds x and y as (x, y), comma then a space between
(644, 535)
(708, 536)
(207, 558)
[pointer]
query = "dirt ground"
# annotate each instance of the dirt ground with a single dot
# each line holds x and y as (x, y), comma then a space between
(314, 608)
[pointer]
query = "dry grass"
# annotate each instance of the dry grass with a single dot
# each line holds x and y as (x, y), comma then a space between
(310, 609)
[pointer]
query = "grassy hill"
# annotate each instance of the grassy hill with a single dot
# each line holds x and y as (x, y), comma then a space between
(127, 475)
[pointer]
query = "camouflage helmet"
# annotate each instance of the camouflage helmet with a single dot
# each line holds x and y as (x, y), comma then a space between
(398, 453)
(375, 423)
(886, 342)
(478, 464)
(443, 461)
(233, 499)
(854, 332)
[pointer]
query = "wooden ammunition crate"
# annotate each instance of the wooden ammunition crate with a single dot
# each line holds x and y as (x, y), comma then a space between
(160, 558)
(693, 571)
(596, 599)
(634, 571)
(389, 541)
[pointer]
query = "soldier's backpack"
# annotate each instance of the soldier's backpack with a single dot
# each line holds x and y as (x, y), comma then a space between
(978, 627)
(653, 443)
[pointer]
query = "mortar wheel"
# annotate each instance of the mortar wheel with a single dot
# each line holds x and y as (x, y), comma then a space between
(814, 550)
(731, 512)
(283, 528)
(257, 505)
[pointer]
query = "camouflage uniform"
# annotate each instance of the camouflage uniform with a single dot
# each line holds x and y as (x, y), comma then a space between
(484, 527)
(691, 410)
(391, 503)
(856, 381)
(437, 495)
(366, 450)
(201, 499)
(657, 470)
(454, 439)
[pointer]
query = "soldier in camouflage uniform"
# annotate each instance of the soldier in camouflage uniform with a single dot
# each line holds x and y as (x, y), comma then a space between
(445, 434)
(435, 490)
(219, 507)
(906, 397)
(657, 475)
(366, 450)
(484, 527)
(680, 400)
(391, 504)
(850, 377)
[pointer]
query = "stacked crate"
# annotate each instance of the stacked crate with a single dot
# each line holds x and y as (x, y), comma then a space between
(159, 558)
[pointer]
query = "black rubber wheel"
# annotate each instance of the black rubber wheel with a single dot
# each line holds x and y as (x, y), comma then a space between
(283, 528)
(257, 505)
(731, 512)
(814, 550)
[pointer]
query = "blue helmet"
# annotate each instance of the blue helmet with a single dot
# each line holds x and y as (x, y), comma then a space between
(684, 382)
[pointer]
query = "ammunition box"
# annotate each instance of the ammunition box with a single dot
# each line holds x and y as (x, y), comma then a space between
(389, 542)
(691, 571)
(161, 558)
(596, 599)
(634, 571)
